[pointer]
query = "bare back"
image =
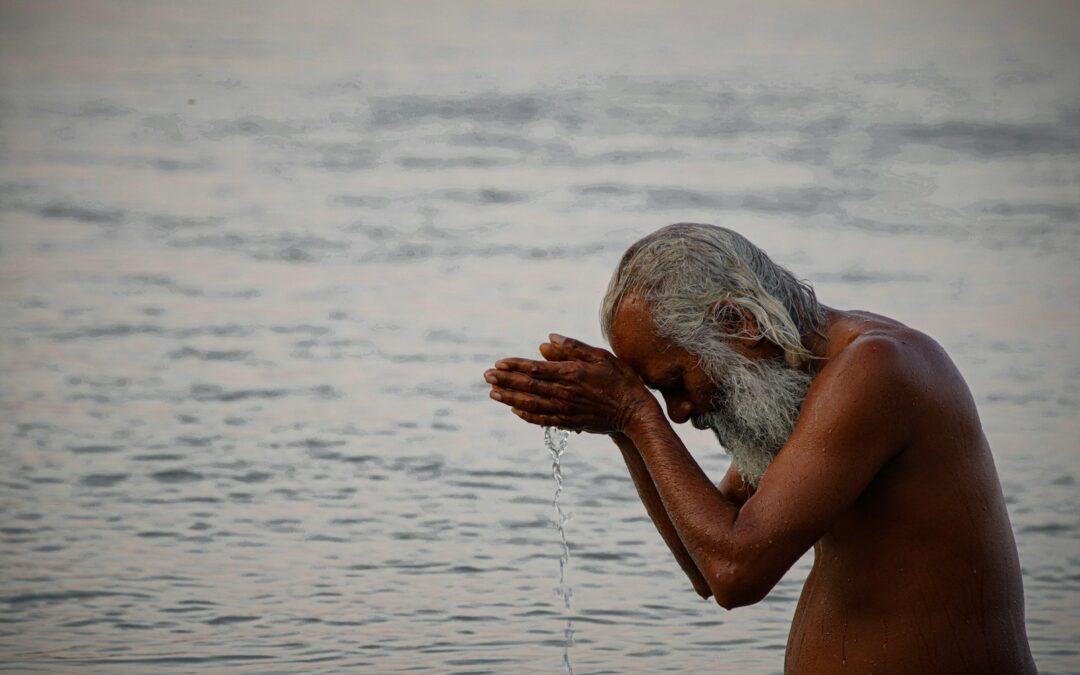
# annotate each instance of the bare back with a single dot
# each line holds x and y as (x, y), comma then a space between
(926, 551)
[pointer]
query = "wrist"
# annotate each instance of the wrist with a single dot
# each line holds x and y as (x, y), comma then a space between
(644, 416)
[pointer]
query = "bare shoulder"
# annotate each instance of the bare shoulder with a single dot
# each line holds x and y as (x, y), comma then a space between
(874, 360)
(884, 373)
(885, 347)
(905, 370)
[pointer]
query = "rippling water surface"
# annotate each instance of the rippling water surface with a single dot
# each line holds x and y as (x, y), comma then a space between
(254, 260)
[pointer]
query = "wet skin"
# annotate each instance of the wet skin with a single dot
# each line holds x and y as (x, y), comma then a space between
(888, 476)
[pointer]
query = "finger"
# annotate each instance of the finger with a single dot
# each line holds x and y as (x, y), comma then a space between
(530, 402)
(570, 423)
(542, 370)
(507, 379)
(533, 418)
(578, 349)
(552, 352)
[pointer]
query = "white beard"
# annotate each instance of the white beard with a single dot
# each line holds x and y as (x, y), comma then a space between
(755, 411)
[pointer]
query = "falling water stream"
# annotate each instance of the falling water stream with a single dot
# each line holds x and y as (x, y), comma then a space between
(556, 439)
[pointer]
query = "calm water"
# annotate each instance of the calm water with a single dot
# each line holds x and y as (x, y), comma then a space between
(254, 262)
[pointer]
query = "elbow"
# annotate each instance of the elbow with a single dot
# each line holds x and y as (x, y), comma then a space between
(702, 590)
(733, 598)
(733, 586)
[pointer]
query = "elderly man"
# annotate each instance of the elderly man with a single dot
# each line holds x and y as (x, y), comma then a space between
(849, 432)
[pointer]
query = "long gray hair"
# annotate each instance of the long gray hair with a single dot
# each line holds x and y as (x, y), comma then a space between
(684, 270)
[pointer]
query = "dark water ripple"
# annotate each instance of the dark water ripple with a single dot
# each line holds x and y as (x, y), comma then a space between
(980, 139)
(82, 213)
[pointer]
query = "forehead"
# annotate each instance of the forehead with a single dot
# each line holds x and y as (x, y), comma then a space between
(634, 339)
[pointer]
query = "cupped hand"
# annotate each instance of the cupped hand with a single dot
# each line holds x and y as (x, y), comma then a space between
(578, 388)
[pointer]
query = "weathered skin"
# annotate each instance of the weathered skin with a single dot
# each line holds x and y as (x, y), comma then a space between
(887, 476)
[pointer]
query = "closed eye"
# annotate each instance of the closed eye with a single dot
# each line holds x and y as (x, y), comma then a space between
(670, 385)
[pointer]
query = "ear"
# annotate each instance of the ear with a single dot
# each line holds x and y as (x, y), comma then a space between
(737, 323)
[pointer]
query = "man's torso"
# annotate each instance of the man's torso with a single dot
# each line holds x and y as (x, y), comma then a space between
(921, 574)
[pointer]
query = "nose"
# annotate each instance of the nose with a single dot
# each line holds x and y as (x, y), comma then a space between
(679, 408)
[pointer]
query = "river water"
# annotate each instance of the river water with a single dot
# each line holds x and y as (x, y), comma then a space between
(254, 259)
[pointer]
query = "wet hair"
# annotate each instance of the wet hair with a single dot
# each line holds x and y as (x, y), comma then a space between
(684, 271)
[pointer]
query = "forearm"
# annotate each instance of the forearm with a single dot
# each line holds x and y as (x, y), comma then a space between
(655, 508)
(702, 517)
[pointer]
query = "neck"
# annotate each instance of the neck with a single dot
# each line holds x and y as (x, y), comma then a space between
(824, 346)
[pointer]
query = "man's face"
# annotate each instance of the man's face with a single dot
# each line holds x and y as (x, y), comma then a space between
(751, 404)
(677, 374)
